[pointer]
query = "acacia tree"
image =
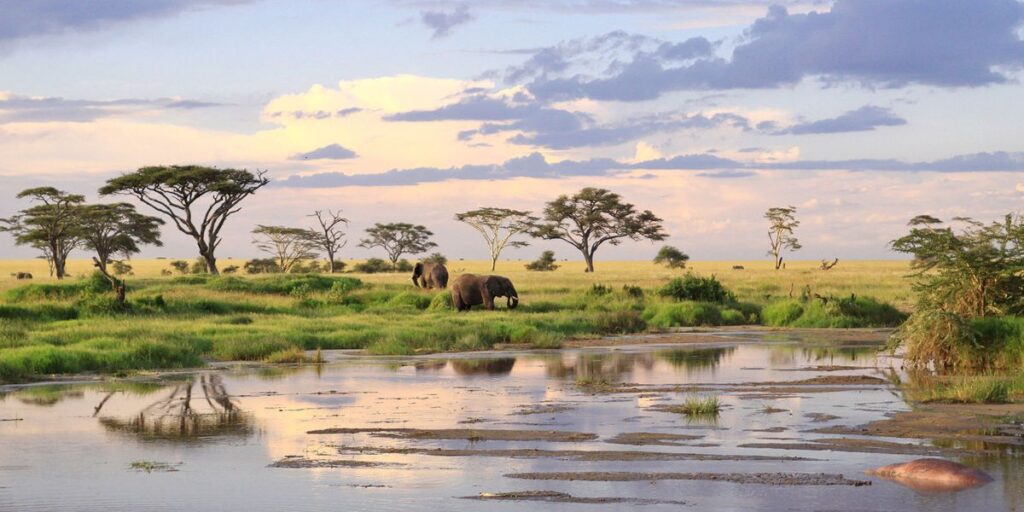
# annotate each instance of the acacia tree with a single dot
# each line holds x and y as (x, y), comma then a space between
(671, 257)
(593, 216)
(397, 239)
(498, 226)
(116, 229)
(330, 236)
(783, 223)
(197, 199)
(287, 245)
(51, 225)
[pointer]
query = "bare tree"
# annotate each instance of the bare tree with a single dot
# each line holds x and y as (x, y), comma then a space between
(397, 239)
(593, 216)
(498, 226)
(780, 233)
(330, 237)
(287, 245)
(197, 199)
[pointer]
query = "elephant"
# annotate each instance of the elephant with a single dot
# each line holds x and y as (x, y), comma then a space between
(430, 275)
(23, 275)
(933, 475)
(470, 290)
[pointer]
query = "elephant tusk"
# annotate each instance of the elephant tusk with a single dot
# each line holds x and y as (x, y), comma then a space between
(513, 301)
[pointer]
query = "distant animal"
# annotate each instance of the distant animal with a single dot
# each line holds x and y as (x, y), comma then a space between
(430, 275)
(738, 267)
(22, 275)
(933, 475)
(470, 290)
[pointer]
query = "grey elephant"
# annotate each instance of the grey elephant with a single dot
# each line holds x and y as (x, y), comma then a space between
(470, 290)
(430, 275)
(22, 275)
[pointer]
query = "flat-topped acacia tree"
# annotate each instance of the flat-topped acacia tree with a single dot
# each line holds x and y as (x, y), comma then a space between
(116, 229)
(197, 199)
(398, 238)
(498, 226)
(593, 216)
(50, 225)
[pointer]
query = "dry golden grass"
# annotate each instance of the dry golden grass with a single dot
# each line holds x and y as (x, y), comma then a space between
(758, 281)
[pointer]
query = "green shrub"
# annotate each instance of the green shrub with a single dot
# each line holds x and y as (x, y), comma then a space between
(372, 266)
(441, 300)
(411, 299)
(625, 321)
(683, 314)
(695, 288)
(782, 313)
(545, 263)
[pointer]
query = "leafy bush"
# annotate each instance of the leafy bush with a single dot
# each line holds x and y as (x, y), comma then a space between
(442, 300)
(683, 314)
(180, 265)
(412, 299)
(262, 266)
(436, 258)
(671, 257)
(230, 269)
(598, 289)
(121, 268)
(372, 266)
(633, 291)
(545, 263)
(695, 288)
(837, 312)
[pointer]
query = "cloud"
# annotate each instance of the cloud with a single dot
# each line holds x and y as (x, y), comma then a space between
(863, 119)
(23, 19)
(535, 165)
(541, 126)
(442, 22)
(329, 152)
(946, 44)
(29, 109)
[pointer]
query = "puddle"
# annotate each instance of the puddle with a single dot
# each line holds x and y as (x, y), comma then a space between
(450, 432)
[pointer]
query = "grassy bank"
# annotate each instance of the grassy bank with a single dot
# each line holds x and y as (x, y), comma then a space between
(183, 321)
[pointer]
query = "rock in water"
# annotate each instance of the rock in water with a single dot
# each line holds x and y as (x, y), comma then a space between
(933, 475)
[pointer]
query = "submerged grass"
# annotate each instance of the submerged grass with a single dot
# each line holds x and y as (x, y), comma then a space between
(184, 321)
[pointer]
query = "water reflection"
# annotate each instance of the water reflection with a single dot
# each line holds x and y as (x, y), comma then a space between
(471, 367)
(192, 409)
(695, 358)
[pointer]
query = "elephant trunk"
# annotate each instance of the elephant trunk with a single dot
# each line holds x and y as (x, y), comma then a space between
(513, 301)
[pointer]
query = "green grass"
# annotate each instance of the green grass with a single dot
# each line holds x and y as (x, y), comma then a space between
(966, 389)
(186, 321)
(700, 407)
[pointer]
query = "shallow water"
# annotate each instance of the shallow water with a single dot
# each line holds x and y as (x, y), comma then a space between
(71, 447)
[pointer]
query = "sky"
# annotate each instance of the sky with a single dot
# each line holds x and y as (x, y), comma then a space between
(861, 113)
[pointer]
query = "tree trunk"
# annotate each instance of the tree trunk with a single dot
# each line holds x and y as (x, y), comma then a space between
(58, 261)
(330, 262)
(211, 262)
(494, 263)
(589, 258)
(116, 284)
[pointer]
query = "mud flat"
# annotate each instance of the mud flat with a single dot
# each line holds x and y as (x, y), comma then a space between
(737, 478)
(858, 446)
(551, 436)
(561, 497)
(978, 426)
(300, 462)
(574, 455)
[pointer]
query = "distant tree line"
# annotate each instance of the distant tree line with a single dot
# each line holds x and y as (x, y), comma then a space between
(198, 201)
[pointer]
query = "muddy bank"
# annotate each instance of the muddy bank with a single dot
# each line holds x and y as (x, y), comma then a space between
(553, 436)
(573, 455)
(738, 478)
(652, 439)
(976, 426)
(857, 446)
(300, 462)
(561, 497)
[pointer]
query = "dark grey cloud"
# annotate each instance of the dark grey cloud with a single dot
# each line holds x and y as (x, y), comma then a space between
(600, 6)
(533, 166)
(878, 43)
(863, 119)
(315, 114)
(15, 108)
(329, 152)
(21, 19)
(442, 22)
(710, 166)
(547, 127)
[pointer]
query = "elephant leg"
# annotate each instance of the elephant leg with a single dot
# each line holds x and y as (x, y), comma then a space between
(489, 303)
(457, 302)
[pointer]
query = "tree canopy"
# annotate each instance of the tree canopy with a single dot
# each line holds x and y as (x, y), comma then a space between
(198, 200)
(499, 226)
(116, 229)
(671, 257)
(781, 230)
(594, 216)
(288, 246)
(51, 225)
(398, 238)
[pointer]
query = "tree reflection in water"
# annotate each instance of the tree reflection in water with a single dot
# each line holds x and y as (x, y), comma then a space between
(182, 416)
(493, 366)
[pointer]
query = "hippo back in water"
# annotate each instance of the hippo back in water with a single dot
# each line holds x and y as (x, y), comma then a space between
(933, 475)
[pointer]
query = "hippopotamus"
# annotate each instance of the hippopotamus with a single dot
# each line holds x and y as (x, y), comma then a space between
(933, 475)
